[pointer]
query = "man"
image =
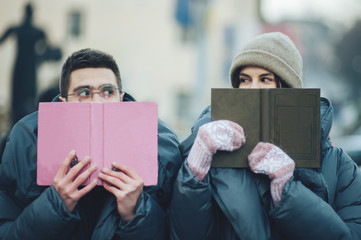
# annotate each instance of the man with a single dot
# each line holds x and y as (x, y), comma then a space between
(122, 209)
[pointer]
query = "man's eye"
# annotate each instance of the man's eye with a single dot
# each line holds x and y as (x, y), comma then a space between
(83, 92)
(108, 92)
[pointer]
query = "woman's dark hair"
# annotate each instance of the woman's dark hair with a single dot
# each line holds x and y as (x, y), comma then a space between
(87, 58)
(280, 82)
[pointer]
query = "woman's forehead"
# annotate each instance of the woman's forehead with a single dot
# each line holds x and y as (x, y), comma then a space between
(255, 69)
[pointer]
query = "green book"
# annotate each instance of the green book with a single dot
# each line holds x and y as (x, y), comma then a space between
(288, 118)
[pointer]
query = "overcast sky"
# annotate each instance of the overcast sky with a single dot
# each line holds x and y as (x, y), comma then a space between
(339, 11)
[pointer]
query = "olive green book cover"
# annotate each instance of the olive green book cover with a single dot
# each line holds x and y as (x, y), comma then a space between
(288, 118)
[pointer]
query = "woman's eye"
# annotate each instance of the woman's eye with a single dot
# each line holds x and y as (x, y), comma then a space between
(267, 79)
(242, 80)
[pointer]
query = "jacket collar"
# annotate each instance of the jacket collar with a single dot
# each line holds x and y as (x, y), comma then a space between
(326, 116)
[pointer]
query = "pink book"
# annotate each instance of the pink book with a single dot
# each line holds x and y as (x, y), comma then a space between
(123, 132)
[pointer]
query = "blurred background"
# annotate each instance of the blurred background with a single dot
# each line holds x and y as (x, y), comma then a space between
(174, 51)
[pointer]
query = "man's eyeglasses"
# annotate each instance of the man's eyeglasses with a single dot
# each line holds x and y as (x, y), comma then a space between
(106, 92)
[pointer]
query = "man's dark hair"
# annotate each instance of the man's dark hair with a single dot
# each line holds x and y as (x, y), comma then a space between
(87, 58)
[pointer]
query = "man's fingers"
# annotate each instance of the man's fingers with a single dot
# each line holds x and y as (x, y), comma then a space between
(87, 188)
(74, 171)
(112, 189)
(65, 164)
(126, 170)
(84, 175)
(113, 180)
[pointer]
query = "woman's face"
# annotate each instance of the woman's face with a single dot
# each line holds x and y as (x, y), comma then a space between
(256, 77)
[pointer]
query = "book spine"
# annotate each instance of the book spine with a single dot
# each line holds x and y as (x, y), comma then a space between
(265, 115)
(96, 138)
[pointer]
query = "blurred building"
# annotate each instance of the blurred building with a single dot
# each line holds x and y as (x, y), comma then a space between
(169, 51)
(160, 59)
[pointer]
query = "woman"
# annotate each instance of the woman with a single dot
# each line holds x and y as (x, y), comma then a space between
(271, 199)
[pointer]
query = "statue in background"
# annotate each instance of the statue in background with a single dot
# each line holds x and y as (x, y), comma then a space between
(32, 50)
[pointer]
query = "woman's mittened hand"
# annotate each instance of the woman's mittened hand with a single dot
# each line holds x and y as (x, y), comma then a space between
(268, 159)
(218, 135)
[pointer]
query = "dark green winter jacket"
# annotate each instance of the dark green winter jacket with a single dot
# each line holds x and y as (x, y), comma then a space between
(232, 204)
(29, 211)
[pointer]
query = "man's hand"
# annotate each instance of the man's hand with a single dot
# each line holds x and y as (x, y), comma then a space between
(66, 183)
(126, 185)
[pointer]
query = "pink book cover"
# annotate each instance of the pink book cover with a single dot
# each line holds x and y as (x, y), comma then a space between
(124, 132)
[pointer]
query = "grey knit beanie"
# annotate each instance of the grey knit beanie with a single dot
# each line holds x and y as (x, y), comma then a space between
(274, 52)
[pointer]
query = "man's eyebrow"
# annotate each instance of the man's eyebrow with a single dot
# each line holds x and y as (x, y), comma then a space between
(80, 87)
(108, 85)
(91, 87)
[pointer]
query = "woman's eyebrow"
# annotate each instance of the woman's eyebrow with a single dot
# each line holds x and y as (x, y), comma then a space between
(267, 74)
(243, 74)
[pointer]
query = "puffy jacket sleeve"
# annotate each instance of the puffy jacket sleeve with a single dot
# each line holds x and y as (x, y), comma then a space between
(27, 211)
(150, 221)
(44, 218)
(192, 210)
(302, 214)
(192, 207)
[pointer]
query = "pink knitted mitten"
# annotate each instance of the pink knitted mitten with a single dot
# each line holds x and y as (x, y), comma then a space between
(218, 135)
(268, 159)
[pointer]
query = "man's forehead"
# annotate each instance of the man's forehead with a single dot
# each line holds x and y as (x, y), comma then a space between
(92, 77)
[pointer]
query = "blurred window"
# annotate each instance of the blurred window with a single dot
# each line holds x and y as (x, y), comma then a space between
(75, 20)
(183, 105)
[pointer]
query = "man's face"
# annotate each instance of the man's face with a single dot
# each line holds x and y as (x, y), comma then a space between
(93, 85)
